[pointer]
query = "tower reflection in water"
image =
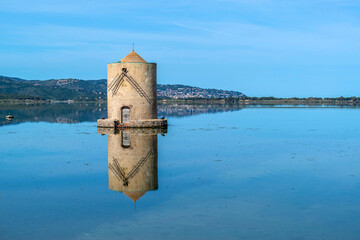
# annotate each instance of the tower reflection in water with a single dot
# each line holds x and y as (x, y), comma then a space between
(132, 160)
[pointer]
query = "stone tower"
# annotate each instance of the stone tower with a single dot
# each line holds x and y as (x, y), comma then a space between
(131, 94)
(132, 160)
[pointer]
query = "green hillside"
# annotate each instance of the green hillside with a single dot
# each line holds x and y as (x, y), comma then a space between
(91, 90)
(61, 89)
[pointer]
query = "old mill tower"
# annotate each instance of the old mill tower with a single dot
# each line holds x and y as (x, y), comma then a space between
(131, 94)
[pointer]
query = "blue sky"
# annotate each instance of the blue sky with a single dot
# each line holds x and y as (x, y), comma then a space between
(279, 48)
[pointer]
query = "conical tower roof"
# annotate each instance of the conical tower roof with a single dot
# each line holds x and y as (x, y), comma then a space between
(134, 195)
(133, 57)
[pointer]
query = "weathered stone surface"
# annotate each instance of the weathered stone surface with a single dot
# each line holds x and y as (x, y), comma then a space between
(106, 123)
(148, 123)
(131, 96)
(133, 131)
(144, 131)
(127, 96)
(104, 131)
(132, 160)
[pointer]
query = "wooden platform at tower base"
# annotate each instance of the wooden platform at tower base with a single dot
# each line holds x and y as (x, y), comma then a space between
(148, 123)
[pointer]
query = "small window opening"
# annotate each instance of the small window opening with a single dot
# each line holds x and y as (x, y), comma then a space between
(124, 70)
(125, 137)
(125, 114)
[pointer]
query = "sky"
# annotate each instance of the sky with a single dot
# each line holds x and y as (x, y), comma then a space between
(281, 48)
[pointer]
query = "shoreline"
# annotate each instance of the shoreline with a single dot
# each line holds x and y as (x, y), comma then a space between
(212, 101)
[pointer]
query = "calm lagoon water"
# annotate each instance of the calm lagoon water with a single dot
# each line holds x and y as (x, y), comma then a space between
(218, 173)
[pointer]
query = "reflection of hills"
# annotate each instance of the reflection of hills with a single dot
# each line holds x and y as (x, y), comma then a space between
(54, 113)
(90, 112)
(175, 110)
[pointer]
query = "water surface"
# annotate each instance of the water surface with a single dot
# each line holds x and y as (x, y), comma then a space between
(232, 173)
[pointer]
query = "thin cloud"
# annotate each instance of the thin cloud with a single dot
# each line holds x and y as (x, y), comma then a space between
(197, 28)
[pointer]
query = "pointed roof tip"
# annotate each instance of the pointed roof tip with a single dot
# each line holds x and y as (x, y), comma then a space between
(133, 57)
(134, 195)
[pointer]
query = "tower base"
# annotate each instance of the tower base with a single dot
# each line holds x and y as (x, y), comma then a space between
(147, 123)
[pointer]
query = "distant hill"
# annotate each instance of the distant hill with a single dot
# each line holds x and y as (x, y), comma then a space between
(54, 89)
(90, 90)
